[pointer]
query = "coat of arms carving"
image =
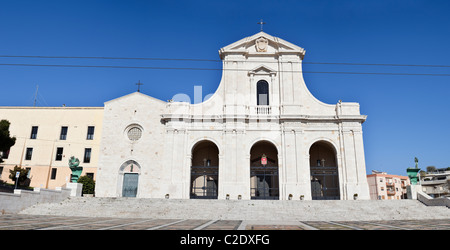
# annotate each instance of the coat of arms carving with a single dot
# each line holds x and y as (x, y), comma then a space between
(261, 44)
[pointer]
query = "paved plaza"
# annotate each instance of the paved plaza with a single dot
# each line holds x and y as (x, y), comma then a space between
(47, 222)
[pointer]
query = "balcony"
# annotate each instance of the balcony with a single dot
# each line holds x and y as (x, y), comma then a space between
(180, 110)
(390, 184)
(390, 192)
(251, 110)
(261, 110)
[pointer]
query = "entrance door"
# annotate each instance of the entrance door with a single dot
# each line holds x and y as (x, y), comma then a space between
(205, 171)
(324, 172)
(324, 183)
(204, 182)
(130, 184)
(264, 181)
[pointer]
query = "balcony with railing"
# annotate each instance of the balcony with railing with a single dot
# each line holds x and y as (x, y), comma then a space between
(390, 192)
(389, 183)
(263, 110)
(251, 110)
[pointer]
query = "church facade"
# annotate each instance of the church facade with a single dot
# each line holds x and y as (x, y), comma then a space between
(261, 135)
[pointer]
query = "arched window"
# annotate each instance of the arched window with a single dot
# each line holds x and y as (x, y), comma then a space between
(262, 93)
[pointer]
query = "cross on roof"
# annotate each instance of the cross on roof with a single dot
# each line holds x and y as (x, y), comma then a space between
(261, 23)
(139, 85)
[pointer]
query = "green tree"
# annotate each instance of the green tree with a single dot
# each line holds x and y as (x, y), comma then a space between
(6, 142)
(22, 176)
(88, 184)
(431, 169)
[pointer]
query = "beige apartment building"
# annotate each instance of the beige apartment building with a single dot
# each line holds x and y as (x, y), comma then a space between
(46, 137)
(383, 186)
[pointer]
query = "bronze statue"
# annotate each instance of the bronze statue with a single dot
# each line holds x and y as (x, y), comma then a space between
(76, 169)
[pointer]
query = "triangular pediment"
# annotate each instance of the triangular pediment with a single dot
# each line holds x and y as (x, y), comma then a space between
(261, 44)
(262, 70)
(133, 97)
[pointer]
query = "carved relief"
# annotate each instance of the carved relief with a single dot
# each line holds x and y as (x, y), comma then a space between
(261, 44)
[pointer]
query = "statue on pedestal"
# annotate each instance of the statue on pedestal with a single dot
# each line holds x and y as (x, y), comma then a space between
(76, 169)
(413, 172)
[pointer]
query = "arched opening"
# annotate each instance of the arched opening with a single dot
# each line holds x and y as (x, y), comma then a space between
(264, 183)
(205, 171)
(324, 172)
(262, 93)
(130, 173)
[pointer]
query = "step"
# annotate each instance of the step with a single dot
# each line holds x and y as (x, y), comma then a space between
(241, 209)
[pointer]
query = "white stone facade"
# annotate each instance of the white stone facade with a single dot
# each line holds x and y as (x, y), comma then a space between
(262, 108)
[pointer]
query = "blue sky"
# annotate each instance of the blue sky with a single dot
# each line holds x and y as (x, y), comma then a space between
(408, 115)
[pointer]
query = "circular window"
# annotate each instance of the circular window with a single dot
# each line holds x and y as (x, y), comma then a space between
(134, 133)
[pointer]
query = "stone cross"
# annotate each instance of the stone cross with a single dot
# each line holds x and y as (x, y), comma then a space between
(261, 23)
(139, 85)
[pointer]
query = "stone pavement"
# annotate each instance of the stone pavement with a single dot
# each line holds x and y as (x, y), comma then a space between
(48, 222)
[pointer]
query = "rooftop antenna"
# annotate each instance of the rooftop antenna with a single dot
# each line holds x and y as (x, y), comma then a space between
(35, 96)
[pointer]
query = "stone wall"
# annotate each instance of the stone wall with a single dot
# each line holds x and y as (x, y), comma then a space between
(21, 199)
(429, 201)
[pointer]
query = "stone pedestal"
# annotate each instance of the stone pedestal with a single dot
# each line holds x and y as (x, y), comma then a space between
(412, 190)
(75, 188)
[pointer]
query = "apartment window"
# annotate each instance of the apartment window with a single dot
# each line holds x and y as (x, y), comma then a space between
(34, 131)
(53, 175)
(28, 172)
(90, 133)
(87, 155)
(28, 154)
(63, 134)
(59, 154)
(90, 175)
